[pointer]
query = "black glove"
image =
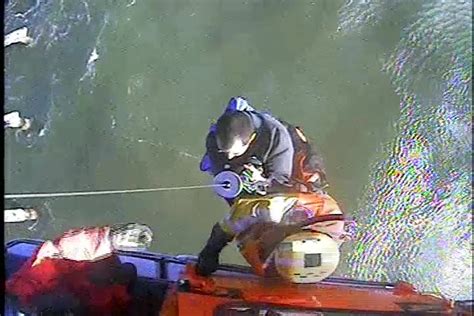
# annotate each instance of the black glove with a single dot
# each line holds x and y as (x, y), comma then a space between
(208, 260)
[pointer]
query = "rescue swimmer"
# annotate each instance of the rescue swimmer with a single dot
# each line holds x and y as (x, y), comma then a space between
(282, 179)
(244, 140)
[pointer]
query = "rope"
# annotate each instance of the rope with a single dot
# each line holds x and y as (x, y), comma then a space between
(88, 193)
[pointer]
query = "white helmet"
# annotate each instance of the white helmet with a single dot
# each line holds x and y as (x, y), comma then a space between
(306, 257)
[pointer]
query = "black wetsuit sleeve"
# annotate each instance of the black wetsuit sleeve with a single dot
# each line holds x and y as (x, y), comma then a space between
(279, 162)
(315, 162)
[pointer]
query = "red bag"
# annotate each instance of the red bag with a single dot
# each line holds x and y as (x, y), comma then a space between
(80, 263)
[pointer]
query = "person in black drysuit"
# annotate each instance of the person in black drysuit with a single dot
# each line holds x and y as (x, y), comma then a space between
(273, 153)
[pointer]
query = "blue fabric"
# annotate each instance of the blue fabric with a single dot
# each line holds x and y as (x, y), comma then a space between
(238, 104)
(206, 163)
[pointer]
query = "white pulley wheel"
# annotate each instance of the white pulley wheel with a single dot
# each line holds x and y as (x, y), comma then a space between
(230, 184)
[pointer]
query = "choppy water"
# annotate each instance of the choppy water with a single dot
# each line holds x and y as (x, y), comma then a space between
(416, 215)
(123, 93)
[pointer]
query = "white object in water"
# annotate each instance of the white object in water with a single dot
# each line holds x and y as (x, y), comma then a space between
(18, 36)
(14, 120)
(19, 215)
(93, 57)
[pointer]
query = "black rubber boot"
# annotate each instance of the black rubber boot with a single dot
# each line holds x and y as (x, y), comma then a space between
(208, 259)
